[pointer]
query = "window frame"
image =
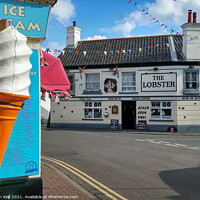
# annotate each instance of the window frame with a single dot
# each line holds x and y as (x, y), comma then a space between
(93, 90)
(92, 108)
(130, 86)
(197, 81)
(161, 107)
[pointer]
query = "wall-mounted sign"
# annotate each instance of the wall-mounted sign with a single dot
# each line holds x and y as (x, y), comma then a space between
(110, 85)
(159, 82)
(142, 125)
(114, 124)
(21, 157)
(114, 109)
(28, 18)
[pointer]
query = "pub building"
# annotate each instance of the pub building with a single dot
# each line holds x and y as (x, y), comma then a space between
(148, 83)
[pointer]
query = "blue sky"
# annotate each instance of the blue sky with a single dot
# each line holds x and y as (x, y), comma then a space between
(100, 19)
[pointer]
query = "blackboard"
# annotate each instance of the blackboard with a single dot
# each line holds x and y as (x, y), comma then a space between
(114, 124)
(142, 125)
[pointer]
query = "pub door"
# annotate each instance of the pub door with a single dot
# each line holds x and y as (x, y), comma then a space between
(128, 115)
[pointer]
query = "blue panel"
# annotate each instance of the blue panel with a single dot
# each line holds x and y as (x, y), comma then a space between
(22, 154)
(29, 18)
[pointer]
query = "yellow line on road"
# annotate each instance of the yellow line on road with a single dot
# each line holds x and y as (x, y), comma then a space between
(74, 171)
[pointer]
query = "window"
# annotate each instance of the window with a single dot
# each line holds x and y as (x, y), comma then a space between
(92, 110)
(161, 110)
(128, 82)
(72, 84)
(191, 81)
(92, 82)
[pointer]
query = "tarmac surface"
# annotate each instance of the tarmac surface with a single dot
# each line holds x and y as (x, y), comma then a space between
(56, 185)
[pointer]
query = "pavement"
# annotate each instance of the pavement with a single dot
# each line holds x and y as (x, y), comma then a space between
(58, 186)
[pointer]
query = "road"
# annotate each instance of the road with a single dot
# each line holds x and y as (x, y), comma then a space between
(134, 166)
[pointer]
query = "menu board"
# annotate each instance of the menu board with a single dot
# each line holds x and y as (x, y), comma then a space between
(142, 125)
(22, 153)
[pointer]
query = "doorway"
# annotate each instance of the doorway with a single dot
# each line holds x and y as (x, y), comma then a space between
(128, 114)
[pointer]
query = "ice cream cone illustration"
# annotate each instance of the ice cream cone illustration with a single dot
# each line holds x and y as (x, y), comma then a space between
(14, 79)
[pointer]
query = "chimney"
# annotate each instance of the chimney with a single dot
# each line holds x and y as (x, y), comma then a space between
(189, 16)
(73, 35)
(194, 17)
(191, 38)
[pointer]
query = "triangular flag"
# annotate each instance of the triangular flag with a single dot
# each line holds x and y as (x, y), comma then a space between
(55, 50)
(117, 52)
(156, 21)
(105, 52)
(135, 4)
(84, 53)
(140, 49)
(168, 44)
(98, 52)
(151, 45)
(177, 42)
(152, 19)
(70, 53)
(63, 51)
(129, 51)
(111, 52)
(139, 7)
(47, 50)
(123, 51)
(77, 52)
(143, 10)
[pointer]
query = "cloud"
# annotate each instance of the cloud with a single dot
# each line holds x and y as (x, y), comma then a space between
(63, 11)
(96, 37)
(130, 22)
(173, 12)
(170, 12)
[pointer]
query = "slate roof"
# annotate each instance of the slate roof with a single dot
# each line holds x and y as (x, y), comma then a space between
(138, 50)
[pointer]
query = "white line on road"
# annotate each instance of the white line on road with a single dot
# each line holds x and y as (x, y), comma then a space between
(193, 148)
(162, 142)
(154, 142)
(172, 145)
(139, 140)
(107, 136)
(181, 145)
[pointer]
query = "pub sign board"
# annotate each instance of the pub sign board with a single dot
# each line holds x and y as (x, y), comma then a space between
(142, 125)
(159, 82)
(30, 19)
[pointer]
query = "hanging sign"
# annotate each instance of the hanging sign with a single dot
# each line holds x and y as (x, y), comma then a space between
(28, 18)
(159, 82)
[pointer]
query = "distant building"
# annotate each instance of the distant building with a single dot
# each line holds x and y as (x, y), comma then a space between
(155, 86)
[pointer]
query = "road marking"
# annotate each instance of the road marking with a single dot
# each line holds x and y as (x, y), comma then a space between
(193, 148)
(162, 142)
(139, 140)
(118, 137)
(172, 145)
(181, 145)
(154, 142)
(127, 138)
(78, 172)
(107, 136)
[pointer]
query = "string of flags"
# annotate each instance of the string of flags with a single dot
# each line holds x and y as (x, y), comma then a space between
(106, 53)
(154, 20)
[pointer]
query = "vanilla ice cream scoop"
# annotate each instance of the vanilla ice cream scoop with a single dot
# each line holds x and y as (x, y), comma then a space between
(14, 62)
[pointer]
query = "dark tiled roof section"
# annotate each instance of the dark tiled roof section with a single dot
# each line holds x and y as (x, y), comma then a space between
(178, 42)
(143, 50)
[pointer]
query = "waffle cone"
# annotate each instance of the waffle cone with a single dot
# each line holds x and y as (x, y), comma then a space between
(8, 115)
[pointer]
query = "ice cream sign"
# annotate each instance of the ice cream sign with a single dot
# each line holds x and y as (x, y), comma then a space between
(28, 18)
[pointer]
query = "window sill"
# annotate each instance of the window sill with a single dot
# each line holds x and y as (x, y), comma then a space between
(92, 119)
(188, 92)
(128, 92)
(92, 92)
(161, 120)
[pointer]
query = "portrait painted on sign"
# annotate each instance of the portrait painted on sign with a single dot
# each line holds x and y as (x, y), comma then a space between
(110, 85)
